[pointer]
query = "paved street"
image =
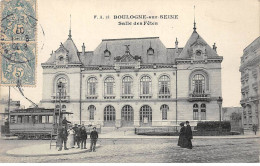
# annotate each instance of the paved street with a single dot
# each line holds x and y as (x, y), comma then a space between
(149, 150)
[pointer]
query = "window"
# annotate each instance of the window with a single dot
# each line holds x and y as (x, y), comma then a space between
(164, 110)
(146, 85)
(61, 87)
(63, 108)
(203, 111)
(195, 112)
(127, 85)
(92, 85)
(127, 113)
(91, 110)
(109, 85)
(146, 114)
(164, 85)
(109, 113)
(198, 83)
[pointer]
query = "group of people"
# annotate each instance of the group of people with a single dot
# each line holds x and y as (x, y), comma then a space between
(185, 136)
(76, 136)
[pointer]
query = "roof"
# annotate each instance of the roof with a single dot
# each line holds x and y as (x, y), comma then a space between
(195, 38)
(68, 46)
(137, 46)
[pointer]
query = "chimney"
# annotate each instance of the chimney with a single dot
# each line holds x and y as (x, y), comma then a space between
(176, 45)
(215, 47)
(83, 49)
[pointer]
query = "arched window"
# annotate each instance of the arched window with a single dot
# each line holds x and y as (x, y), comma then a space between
(127, 83)
(146, 114)
(91, 110)
(127, 113)
(109, 85)
(109, 113)
(195, 112)
(164, 85)
(146, 85)
(92, 86)
(164, 109)
(61, 87)
(198, 84)
(203, 111)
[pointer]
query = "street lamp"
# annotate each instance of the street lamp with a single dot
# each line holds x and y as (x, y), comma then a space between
(60, 87)
(219, 101)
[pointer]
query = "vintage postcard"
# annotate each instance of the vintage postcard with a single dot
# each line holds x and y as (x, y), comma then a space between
(128, 81)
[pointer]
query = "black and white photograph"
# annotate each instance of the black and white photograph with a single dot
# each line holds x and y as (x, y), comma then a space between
(128, 81)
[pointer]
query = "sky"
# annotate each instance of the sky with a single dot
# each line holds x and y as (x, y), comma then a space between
(231, 24)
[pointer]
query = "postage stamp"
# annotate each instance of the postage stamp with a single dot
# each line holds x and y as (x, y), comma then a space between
(18, 42)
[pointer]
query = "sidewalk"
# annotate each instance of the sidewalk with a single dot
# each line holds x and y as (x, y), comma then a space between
(129, 135)
(44, 150)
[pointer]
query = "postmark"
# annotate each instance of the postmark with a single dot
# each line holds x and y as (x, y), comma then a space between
(18, 42)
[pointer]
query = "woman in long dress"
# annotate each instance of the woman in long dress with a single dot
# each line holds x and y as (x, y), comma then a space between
(71, 133)
(182, 140)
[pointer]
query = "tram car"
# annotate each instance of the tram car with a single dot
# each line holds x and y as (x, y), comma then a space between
(35, 123)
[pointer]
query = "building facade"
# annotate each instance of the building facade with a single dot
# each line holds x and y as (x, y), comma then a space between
(250, 81)
(134, 82)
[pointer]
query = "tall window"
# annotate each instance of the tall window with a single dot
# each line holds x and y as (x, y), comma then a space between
(203, 111)
(195, 112)
(109, 85)
(164, 110)
(146, 85)
(146, 114)
(92, 85)
(127, 113)
(109, 113)
(198, 83)
(91, 110)
(61, 87)
(164, 85)
(127, 85)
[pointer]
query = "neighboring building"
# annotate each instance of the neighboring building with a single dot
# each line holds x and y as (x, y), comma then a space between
(227, 112)
(250, 81)
(4, 108)
(135, 82)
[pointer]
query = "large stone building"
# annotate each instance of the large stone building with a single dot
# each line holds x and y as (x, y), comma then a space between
(250, 81)
(135, 82)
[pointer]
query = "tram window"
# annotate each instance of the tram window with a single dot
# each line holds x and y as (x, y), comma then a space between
(26, 119)
(49, 119)
(41, 119)
(19, 119)
(13, 119)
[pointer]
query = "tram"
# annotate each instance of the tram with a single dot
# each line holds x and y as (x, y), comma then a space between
(35, 123)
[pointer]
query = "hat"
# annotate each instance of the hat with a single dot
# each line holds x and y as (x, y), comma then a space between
(94, 128)
(181, 124)
(187, 122)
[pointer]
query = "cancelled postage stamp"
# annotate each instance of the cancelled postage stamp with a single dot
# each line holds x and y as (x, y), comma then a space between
(18, 43)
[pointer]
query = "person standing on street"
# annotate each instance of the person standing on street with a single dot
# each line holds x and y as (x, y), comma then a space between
(78, 136)
(94, 138)
(182, 142)
(84, 137)
(71, 136)
(63, 135)
(75, 128)
(188, 134)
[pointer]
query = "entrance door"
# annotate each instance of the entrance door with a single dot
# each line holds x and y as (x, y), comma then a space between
(109, 116)
(146, 116)
(127, 116)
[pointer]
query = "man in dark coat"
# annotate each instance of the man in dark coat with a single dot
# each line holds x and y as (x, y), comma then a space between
(94, 138)
(188, 134)
(75, 128)
(84, 137)
(63, 136)
(78, 135)
(182, 142)
(65, 122)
